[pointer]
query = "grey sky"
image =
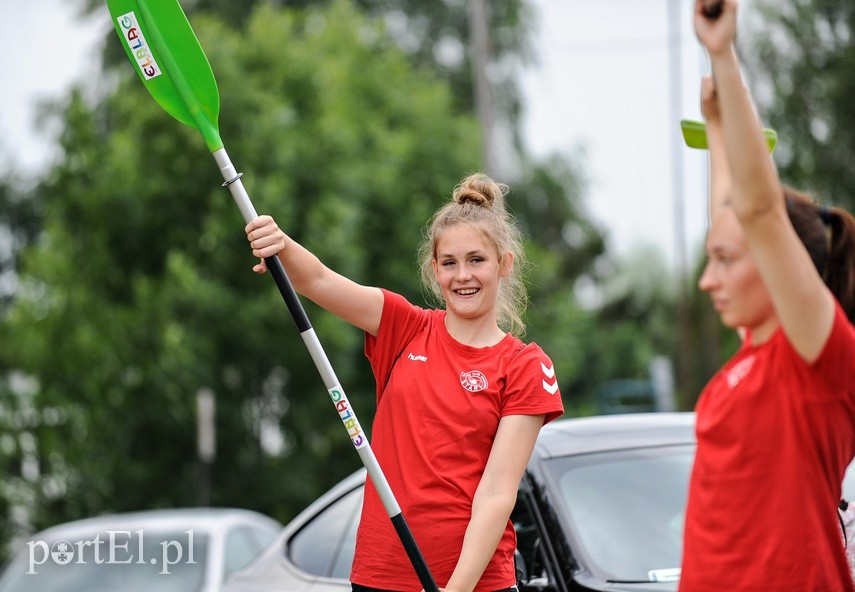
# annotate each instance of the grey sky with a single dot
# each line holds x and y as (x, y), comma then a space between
(603, 84)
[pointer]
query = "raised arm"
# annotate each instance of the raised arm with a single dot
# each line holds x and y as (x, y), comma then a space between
(720, 180)
(359, 305)
(789, 274)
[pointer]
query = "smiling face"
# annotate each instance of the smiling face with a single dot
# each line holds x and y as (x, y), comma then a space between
(468, 270)
(733, 281)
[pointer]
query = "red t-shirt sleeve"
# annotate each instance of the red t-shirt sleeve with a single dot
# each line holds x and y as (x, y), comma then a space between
(399, 322)
(836, 363)
(532, 386)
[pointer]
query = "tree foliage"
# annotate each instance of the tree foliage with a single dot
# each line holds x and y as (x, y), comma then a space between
(801, 64)
(432, 34)
(133, 289)
(139, 291)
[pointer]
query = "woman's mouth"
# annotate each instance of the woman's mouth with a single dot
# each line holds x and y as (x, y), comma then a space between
(466, 291)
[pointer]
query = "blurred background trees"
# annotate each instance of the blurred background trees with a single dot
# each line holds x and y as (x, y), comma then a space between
(125, 280)
(801, 61)
(137, 292)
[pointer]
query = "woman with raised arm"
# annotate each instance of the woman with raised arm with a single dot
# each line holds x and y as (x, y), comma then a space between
(460, 399)
(776, 424)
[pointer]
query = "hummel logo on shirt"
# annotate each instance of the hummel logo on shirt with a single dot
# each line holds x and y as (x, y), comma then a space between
(416, 358)
(549, 382)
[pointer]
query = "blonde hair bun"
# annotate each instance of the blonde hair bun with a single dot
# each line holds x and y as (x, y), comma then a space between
(480, 190)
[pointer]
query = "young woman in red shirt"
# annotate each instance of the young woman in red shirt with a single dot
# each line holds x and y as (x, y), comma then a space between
(776, 424)
(460, 398)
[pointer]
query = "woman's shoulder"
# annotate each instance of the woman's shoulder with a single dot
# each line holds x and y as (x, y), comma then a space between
(838, 354)
(522, 352)
(400, 318)
(841, 338)
(393, 302)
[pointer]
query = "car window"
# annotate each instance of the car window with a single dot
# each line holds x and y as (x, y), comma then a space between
(241, 548)
(325, 546)
(626, 509)
(138, 561)
(263, 537)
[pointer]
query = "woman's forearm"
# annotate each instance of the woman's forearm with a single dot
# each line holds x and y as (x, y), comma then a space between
(490, 514)
(755, 181)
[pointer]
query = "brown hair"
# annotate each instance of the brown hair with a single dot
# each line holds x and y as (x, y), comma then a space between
(828, 234)
(479, 202)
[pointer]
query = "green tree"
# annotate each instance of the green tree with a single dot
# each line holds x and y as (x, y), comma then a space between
(19, 223)
(801, 57)
(433, 34)
(564, 247)
(139, 291)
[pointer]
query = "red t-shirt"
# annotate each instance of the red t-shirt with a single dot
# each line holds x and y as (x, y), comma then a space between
(439, 403)
(775, 435)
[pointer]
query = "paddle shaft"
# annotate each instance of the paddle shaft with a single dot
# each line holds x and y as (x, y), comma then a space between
(358, 437)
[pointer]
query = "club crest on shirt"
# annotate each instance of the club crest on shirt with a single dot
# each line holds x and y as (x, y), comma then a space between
(473, 381)
(739, 371)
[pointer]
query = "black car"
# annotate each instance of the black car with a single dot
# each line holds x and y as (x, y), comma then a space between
(600, 508)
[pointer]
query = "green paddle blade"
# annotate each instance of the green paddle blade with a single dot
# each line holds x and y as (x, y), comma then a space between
(169, 60)
(695, 135)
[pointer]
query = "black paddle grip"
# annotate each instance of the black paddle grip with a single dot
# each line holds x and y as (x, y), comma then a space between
(414, 553)
(292, 301)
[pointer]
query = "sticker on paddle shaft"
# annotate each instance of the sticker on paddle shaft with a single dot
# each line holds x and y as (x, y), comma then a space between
(348, 417)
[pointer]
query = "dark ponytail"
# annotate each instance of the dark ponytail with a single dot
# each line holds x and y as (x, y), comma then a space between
(828, 234)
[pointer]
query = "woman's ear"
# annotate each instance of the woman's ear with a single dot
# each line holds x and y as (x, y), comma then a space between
(507, 264)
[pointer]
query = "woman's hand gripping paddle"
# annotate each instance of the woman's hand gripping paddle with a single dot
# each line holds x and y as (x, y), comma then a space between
(168, 58)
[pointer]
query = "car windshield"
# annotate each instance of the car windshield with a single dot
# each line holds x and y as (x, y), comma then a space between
(626, 509)
(124, 561)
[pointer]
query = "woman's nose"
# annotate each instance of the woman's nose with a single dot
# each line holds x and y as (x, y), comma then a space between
(707, 279)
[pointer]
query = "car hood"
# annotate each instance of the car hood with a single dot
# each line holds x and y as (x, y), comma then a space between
(642, 587)
(588, 582)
